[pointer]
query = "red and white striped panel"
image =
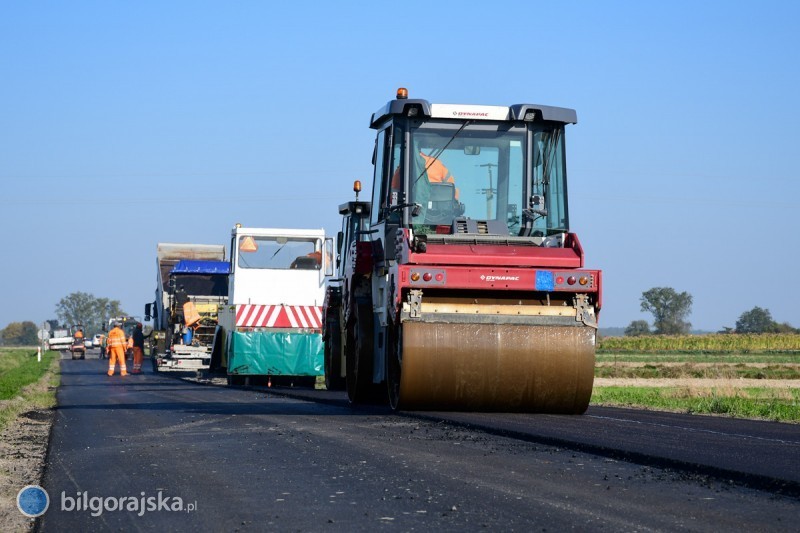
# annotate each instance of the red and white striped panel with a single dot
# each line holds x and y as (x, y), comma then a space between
(278, 316)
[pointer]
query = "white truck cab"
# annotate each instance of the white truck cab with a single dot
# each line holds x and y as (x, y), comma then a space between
(272, 325)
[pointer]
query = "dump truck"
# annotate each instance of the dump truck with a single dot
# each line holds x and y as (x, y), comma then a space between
(60, 340)
(271, 329)
(191, 286)
(466, 288)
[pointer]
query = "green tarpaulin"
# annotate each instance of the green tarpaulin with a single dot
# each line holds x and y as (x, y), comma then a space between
(262, 353)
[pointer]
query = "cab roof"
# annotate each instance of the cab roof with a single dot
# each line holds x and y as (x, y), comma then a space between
(513, 113)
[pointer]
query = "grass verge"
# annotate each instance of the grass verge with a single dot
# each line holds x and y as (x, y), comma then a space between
(25, 383)
(780, 405)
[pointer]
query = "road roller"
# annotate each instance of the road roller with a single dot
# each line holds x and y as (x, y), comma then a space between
(460, 285)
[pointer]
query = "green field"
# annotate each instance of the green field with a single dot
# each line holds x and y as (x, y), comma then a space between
(26, 383)
(781, 405)
(719, 343)
(686, 376)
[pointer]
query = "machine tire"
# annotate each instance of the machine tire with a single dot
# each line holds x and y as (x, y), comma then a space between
(215, 364)
(394, 358)
(333, 359)
(359, 360)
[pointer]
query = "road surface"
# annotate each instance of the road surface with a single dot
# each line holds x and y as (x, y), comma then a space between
(215, 458)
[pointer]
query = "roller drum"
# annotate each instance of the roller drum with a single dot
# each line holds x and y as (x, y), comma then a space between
(496, 367)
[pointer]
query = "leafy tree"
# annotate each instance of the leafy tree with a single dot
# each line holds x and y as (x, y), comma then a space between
(20, 334)
(637, 328)
(756, 320)
(785, 328)
(84, 308)
(669, 309)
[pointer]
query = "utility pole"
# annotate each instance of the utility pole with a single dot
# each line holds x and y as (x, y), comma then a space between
(490, 192)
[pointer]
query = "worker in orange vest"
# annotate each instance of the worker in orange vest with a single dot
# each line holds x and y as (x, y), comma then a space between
(79, 334)
(136, 343)
(116, 350)
(436, 171)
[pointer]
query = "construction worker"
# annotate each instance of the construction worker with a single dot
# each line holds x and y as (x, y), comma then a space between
(116, 350)
(316, 255)
(437, 172)
(434, 169)
(136, 343)
(79, 334)
(102, 346)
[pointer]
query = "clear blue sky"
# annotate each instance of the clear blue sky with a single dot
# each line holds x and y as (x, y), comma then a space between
(125, 124)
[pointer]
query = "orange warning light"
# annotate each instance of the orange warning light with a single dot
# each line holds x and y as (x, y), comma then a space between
(357, 186)
(402, 93)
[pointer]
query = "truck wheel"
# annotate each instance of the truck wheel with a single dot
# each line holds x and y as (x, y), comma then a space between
(359, 359)
(333, 359)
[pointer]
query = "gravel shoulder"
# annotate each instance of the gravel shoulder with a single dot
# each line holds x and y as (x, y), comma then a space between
(23, 451)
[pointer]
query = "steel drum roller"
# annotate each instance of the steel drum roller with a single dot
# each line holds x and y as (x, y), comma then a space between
(496, 367)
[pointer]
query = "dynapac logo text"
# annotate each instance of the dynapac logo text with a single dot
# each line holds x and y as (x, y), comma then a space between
(469, 114)
(499, 278)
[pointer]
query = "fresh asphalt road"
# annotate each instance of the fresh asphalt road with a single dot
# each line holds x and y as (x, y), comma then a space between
(244, 460)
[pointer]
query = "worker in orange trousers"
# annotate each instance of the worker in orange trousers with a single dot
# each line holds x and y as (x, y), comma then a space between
(115, 346)
(136, 343)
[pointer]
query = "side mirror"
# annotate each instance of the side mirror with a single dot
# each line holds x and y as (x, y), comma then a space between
(328, 256)
(147, 311)
(339, 240)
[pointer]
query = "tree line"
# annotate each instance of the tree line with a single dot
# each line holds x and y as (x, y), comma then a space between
(75, 308)
(670, 309)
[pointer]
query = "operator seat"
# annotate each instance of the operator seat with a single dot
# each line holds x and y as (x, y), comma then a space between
(442, 204)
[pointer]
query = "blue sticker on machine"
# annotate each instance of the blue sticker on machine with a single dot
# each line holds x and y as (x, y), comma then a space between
(544, 280)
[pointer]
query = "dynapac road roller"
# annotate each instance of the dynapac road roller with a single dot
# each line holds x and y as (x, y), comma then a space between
(462, 287)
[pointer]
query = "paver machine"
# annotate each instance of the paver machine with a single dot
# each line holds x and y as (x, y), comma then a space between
(465, 288)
